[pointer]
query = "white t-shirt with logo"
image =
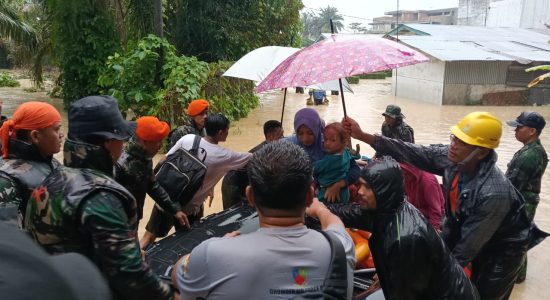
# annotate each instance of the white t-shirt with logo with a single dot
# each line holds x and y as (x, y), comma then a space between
(270, 263)
(218, 161)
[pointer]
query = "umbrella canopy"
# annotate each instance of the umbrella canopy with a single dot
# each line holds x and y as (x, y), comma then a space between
(258, 63)
(332, 86)
(338, 57)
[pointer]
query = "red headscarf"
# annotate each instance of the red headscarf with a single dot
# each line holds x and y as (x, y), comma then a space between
(29, 116)
(151, 129)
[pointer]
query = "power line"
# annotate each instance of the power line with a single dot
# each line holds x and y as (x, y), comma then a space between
(317, 9)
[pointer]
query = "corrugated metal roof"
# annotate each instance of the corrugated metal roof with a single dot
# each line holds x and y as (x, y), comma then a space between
(461, 43)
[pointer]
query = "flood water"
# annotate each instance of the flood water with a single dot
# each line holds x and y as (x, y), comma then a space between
(431, 124)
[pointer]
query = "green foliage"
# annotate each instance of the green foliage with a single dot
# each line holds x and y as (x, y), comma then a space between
(376, 75)
(353, 79)
(12, 24)
(8, 80)
(538, 68)
(357, 27)
(214, 30)
(315, 24)
(132, 78)
(84, 36)
(231, 96)
(540, 78)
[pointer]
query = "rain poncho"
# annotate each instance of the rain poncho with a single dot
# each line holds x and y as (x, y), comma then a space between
(490, 229)
(411, 259)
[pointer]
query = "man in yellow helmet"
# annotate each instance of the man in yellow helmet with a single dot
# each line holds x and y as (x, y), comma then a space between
(486, 226)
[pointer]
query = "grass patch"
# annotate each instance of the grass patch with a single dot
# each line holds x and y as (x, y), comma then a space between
(7, 80)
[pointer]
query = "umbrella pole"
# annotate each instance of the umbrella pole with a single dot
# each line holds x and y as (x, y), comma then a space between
(342, 93)
(339, 79)
(283, 112)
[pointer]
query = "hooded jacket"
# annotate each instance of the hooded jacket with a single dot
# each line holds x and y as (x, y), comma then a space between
(411, 260)
(490, 228)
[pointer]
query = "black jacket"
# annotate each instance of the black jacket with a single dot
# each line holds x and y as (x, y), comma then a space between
(490, 215)
(411, 260)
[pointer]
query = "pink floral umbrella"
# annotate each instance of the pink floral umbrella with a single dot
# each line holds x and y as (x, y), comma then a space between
(337, 57)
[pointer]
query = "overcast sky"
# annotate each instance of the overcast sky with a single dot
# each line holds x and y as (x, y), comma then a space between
(363, 11)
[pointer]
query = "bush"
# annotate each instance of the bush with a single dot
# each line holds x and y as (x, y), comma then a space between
(132, 79)
(231, 96)
(353, 80)
(376, 75)
(8, 80)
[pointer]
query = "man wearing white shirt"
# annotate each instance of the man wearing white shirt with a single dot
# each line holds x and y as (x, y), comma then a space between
(218, 161)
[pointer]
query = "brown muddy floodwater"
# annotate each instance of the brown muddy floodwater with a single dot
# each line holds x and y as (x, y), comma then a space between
(431, 124)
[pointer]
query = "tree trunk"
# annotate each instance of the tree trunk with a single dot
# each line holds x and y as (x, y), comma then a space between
(158, 19)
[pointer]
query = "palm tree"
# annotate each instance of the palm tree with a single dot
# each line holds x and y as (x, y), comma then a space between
(14, 28)
(330, 13)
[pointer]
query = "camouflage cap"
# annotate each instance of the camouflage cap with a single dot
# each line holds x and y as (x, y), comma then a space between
(393, 111)
(529, 118)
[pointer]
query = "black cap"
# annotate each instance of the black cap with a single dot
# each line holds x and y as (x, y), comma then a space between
(98, 116)
(529, 118)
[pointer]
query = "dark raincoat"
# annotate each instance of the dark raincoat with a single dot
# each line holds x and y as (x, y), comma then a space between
(411, 259)
(490, 228)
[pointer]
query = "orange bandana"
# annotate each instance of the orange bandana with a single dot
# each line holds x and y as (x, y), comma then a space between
(196, 107)
(151, 129)
(29, 116)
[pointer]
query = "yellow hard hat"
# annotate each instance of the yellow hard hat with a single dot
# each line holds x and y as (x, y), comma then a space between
(479, 129)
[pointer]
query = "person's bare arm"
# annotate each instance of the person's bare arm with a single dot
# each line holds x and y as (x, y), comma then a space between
(320, 211)
(353, 128)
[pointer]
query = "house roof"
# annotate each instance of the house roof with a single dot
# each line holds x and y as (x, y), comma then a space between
(460, 43)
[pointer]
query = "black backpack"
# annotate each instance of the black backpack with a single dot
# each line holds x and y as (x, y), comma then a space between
(181, 173)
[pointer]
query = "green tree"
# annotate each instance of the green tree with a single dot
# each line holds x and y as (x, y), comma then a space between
(84, 35)
(28, 35)
(226, 30)
(14, 27)
(330, 13)
(357, 27)
(316, 24)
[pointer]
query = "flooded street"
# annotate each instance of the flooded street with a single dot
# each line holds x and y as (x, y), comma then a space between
(431, 125)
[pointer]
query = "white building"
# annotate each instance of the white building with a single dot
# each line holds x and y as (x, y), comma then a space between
(533, 14)
(469, 63)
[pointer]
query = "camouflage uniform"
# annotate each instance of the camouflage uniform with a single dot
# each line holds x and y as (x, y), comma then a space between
(401, 131)
(20, 173)
(134, 171)
(525, 171)
(189, 128)
(84, 210)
